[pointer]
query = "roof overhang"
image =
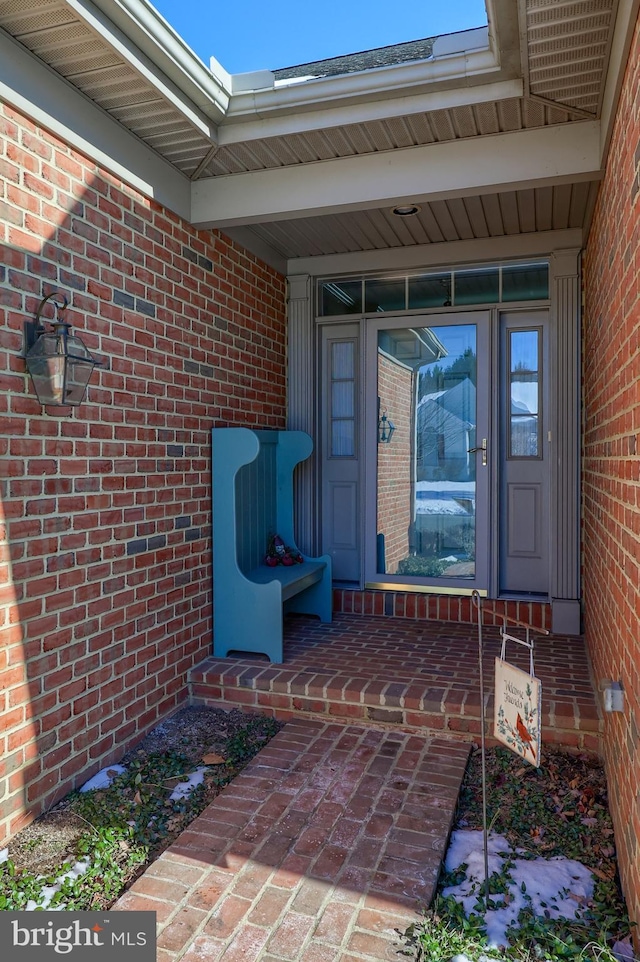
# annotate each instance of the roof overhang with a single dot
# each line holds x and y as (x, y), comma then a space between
(504, 162)
(499, 131)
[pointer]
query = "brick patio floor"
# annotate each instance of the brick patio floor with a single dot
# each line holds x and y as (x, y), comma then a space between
(410, 673)
(328, 843)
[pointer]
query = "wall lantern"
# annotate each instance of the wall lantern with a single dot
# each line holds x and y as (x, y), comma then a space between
(59, 363)
(385, 429)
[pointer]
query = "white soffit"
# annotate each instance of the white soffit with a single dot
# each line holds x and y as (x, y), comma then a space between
(49, 100)
(81, 44)
(568, 45)
(533, 211)
(485, 216)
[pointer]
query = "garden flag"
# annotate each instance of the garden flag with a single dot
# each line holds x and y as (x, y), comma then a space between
(517, 720)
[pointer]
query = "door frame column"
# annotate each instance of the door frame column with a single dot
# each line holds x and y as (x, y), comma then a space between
(565, 469)
(301, 405)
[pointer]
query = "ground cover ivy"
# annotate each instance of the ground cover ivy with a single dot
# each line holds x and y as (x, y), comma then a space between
(129, 823)
(559, 809)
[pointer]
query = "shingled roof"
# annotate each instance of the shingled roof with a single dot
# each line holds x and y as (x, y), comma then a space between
(364, 60)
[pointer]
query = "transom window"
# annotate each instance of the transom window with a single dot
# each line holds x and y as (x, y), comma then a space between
(410, 292)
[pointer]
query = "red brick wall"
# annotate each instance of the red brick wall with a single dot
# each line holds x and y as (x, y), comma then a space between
(611, 481)
(395, 462)
(105, 572)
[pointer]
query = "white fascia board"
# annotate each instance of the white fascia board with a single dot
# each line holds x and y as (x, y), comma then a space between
(169, 66)
(428, 256)
(363, 112)
(526, 158)
(380, 82)
(41, 94)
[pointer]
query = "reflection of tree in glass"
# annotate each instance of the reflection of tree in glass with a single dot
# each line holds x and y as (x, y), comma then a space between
(522, 372)
(438, 378)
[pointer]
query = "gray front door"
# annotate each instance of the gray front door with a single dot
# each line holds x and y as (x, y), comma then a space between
(525, 453)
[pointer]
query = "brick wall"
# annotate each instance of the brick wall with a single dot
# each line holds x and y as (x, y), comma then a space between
(395, 461)
(611, 481)
(105, 572)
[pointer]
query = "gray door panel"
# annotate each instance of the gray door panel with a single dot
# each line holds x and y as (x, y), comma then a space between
(525, 454)
(340, 429)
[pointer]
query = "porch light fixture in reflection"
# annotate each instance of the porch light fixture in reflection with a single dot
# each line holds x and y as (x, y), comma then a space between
(385, 429)
(405, 210)
(59, 363)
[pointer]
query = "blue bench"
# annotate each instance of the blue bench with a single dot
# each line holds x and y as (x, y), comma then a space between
(252, 500)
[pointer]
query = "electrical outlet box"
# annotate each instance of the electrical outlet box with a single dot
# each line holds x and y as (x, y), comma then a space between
(613, 695)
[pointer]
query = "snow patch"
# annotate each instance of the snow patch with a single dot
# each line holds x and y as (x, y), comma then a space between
(48, 891)
(185, 788)
(104, 778)
(551, 887)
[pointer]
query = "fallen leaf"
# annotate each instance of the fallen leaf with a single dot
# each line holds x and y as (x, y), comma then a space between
(605, 876)
(580, 899)
(213, 759)
(589, 822)
(137, 799)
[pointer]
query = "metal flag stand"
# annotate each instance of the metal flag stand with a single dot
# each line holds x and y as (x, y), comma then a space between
(477, 600)
(527, 643)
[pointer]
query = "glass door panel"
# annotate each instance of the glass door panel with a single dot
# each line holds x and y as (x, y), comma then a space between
(431, 505)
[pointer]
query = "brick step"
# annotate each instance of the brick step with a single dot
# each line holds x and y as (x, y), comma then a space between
(412, 676)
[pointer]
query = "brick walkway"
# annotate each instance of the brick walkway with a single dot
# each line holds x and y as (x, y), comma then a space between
(328, 842)
(398, 671)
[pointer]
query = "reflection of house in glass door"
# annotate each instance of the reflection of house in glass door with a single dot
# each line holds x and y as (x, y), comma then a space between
(427, 485)
(446, 466)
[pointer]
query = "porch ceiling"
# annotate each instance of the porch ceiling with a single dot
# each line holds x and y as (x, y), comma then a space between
(461, 218)
(545, 66)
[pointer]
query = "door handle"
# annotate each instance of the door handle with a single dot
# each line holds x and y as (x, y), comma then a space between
(481, 447)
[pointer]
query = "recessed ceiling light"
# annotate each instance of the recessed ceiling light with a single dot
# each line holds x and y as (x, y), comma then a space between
(405, 210)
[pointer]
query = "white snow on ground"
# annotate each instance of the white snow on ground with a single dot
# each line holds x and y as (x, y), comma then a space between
(103, 779)
(552, 887)
(439, 506)
(466, 487)
(48, 891)
(185, 788)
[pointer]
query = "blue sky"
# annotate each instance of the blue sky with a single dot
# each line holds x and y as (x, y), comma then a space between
(267, 34)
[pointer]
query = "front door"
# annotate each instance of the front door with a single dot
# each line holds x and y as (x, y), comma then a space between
(429, 452)
(436, 451)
